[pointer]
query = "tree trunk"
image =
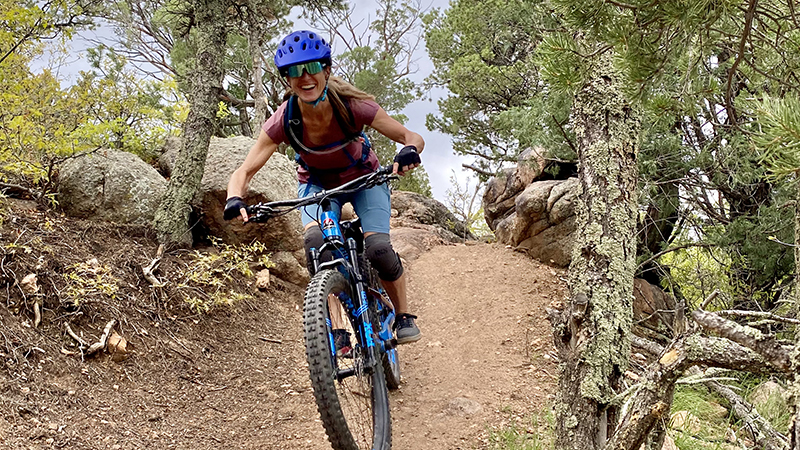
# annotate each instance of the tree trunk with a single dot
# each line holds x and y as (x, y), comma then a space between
(592, 333)
(255, 43)
(205, 81)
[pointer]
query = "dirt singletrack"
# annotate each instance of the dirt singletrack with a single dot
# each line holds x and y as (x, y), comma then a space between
(237, 379)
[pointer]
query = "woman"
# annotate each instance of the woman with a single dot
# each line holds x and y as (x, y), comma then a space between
(323, 122)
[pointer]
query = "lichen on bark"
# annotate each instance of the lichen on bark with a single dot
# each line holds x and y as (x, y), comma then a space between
(603, 260)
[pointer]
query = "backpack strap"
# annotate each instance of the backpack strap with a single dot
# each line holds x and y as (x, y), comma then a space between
(293, 129)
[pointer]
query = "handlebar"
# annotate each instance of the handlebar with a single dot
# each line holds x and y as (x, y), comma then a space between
(261, 212)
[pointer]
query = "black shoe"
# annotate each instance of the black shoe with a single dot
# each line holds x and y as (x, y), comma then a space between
(341, 340)
(406, 330)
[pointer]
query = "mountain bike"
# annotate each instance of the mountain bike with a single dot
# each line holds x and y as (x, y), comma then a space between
(351, 385)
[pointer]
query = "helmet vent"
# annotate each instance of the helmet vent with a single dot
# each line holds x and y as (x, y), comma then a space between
(297, 38)
(311, 36)
(291, 50)
(316, 47)
(305, 45)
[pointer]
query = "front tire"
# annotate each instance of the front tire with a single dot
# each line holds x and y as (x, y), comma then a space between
(352, 399)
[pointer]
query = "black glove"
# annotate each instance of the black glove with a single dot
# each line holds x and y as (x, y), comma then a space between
(233, 207)
(406, 157)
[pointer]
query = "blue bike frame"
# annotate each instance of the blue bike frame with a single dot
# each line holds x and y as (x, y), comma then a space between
(345, 253)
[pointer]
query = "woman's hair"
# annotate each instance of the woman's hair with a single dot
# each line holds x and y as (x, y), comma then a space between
(340, 91)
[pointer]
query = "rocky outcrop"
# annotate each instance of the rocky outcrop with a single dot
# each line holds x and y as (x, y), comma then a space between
(502, 190)
(542, 221)
(419, 223)
(532, 214)
(169, 153)
(110, 185)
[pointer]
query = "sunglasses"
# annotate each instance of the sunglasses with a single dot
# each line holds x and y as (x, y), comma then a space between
(313, 67)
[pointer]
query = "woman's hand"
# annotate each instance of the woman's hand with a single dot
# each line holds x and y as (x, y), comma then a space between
(234, 208)
(406, 160)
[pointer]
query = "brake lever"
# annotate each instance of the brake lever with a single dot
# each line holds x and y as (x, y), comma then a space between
(259, 213)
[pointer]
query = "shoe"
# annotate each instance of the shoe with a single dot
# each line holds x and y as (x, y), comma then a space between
(341, 340)
(406, 330)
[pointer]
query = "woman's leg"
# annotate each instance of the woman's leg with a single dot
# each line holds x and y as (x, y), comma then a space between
(373, 207)
(312, 238)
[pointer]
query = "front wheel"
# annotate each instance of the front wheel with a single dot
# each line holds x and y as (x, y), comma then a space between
(351, 394)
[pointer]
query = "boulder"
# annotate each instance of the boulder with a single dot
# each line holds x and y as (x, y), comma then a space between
(653, 312)
(410, 209)
(410, 243)
(528, 209)
(768, 392)
(169, 153)
(110, 185)
(498, 198)
(420, 223)
(542, 221)
(275, 181)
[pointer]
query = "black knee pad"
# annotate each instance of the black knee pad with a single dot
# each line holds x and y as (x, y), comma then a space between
(382, 256)
(312, 238)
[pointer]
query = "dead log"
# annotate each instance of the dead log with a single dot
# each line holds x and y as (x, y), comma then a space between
(652, 397)
(773, 352)
(762, 432)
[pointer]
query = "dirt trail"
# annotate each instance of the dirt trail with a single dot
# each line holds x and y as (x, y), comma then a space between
(482, 361)
(238, 379)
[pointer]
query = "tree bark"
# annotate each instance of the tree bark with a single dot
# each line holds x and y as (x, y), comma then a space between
(255, 43)
(593, 332)
(205, 80)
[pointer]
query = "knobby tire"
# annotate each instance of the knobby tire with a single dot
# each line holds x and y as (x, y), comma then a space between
(355, 410)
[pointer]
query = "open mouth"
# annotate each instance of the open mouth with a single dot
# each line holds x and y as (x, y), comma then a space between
(308, 87)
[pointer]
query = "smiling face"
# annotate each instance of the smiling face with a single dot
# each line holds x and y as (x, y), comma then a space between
(309, 87)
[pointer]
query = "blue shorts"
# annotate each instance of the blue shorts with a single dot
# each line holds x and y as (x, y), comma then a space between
(373, 207)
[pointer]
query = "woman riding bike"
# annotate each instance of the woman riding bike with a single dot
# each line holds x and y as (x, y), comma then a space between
(323, 122)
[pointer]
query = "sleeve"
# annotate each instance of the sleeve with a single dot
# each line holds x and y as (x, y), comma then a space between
(273, 126)
(364, 111)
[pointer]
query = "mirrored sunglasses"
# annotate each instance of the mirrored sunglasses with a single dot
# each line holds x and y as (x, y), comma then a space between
(312, 68)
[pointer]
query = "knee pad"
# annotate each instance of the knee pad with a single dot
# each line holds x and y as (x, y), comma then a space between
(312, 238)
(378, 250)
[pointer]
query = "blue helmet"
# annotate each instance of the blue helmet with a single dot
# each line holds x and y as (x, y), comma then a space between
(300, 47)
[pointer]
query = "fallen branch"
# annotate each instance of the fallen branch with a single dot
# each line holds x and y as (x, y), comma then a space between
(101, 344)
(147, 271)
(758, 314)
(652, 399)
(762, 432)
(81, 343)
(274, 341)
(772, 351)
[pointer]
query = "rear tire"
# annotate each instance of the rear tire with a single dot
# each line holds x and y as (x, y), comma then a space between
(355, 409)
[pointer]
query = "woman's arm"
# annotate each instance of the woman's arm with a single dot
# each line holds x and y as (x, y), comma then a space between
(395, 130)
(259, 153)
